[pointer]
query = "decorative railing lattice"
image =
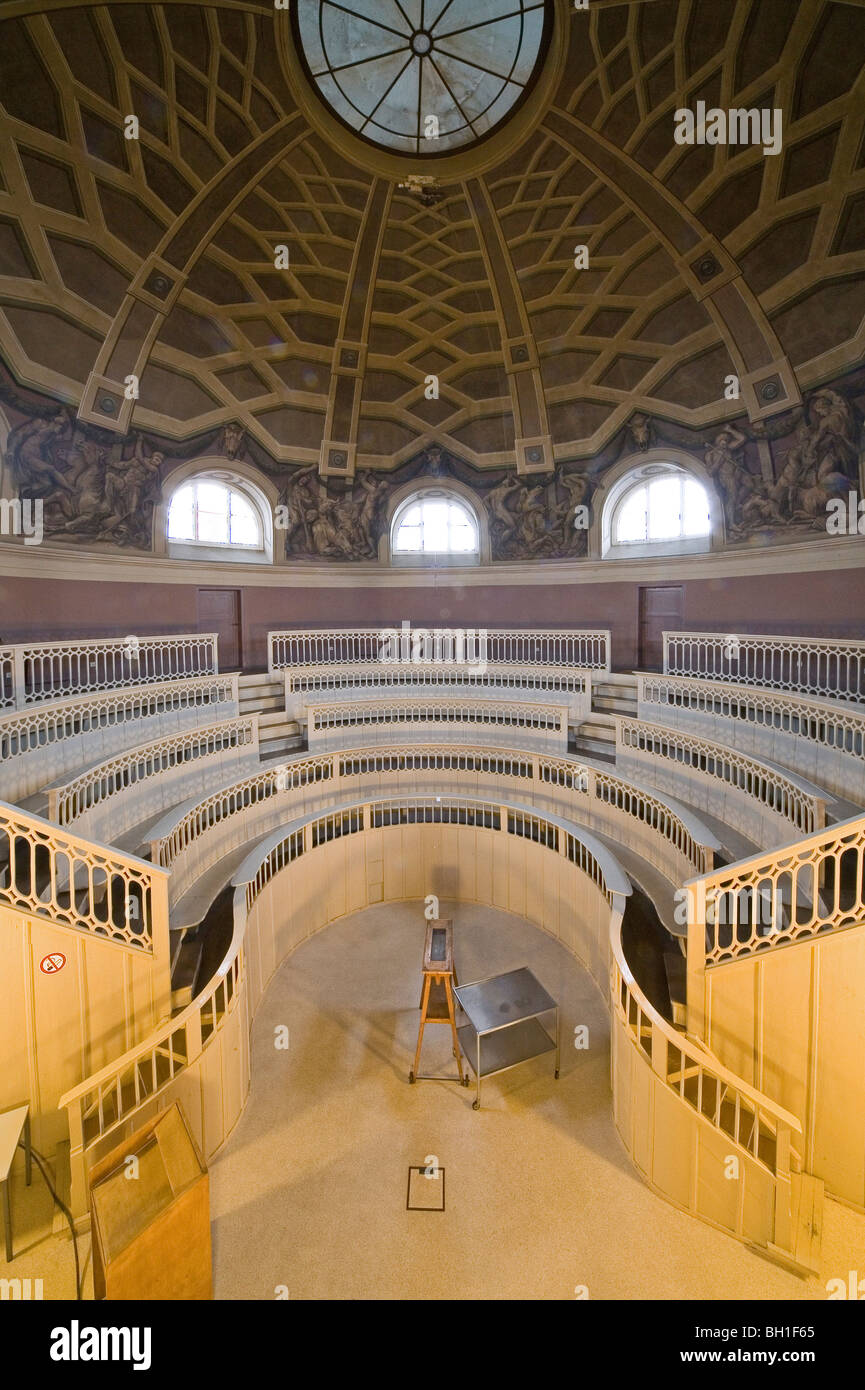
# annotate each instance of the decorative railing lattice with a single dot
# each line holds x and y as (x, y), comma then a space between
(304, 684)
(339, 767)
(521, 714)
(351, 646)
(79, 884)
(97, 784)
(39, 671)
(778, 898)
(833, 668)
(819, 722)
(766, 785)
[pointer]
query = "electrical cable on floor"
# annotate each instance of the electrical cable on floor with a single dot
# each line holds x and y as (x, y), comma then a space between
(65, 1210)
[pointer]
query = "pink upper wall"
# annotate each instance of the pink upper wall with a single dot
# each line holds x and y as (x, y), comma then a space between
(821, 603)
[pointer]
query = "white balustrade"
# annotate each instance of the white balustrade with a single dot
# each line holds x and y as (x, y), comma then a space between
(822, 741)
(831, 667)
(520, 647)
(528, 724)
(7, 677)
(305, 685)
(192, 839)
(766, 805)
(39, 745)
(777, 898)
(106, 800)
(38, 671)
(79, 884)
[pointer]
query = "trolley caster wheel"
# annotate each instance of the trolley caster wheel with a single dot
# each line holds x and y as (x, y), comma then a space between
(476, 1105)
(411, 1078)
(557, 1076)
(465, 1081)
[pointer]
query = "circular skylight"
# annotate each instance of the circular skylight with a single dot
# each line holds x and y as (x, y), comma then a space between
(422, 76)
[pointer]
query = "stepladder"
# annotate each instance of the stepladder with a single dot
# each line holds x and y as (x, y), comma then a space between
(437, 1002)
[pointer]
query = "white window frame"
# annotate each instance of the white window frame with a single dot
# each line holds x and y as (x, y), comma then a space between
(224, 552)
(644, 475)
(435, 559)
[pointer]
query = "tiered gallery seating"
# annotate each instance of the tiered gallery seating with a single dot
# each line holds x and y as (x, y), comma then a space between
(737, 807)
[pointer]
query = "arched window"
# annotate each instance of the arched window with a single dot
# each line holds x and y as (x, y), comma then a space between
(218, 516)
(435, 524)
(658, 508)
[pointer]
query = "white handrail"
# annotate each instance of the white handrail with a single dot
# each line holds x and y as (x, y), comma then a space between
(307, 684)
(72, 798)
(80, 883)
(828, 666)
(180, 831)
(778, 897)
(28, 736)
(564, 647)
(825, 736)
(798, 803)
(543, 723)
(36, 671)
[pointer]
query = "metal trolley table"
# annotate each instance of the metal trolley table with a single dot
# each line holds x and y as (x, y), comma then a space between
(504, 1023)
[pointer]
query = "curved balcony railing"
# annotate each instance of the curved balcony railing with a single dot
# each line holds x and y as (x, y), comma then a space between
(38, 745)
(819, 739)
(351, 646)
(164, 761)
(831, 667)
(766, 802)
(38, 671)
(305, 685)
(192, 838)
(528, 722)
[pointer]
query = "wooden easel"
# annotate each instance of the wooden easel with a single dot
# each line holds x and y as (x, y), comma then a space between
(437, 995)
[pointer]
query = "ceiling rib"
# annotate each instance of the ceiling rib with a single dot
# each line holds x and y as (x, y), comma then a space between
(705, 265)
(163, 274)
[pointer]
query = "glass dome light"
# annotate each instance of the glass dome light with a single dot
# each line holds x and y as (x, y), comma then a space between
(422, 76)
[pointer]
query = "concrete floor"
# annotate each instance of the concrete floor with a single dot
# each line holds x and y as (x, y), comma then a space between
(309, 1194)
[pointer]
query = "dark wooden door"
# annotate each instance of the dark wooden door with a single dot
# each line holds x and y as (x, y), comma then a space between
(219, 611)
(661, 610)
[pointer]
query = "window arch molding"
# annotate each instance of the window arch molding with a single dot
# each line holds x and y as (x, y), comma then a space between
(257, 490)
(419, 490)
(630, 472)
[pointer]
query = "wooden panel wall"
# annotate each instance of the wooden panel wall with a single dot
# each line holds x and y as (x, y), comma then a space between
(56, 1029)
(792, 1022)
(392, 864)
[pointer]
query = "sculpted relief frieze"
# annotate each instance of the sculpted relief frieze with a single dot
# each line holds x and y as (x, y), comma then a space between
(772, 479)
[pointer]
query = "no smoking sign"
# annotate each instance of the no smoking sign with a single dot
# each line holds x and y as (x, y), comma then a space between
(49, 965)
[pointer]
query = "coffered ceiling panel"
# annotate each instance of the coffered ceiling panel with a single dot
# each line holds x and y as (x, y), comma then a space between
(233, 253)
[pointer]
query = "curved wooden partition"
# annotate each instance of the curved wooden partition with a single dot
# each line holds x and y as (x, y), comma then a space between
(681, 1115)
(776, 986)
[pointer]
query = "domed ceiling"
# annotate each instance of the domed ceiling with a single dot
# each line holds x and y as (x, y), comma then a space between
(164, 257)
